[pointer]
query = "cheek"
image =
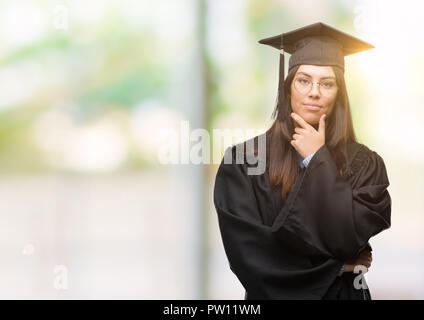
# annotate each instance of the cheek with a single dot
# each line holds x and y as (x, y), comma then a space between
(329, 103)
(295, 100)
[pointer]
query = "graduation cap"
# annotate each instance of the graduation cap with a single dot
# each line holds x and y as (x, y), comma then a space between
(316, 44)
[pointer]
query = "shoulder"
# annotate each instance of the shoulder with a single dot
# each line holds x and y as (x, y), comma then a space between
(359, 152)
(361, 156)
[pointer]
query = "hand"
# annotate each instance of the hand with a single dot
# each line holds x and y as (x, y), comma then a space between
(364, 259)
(307, 140)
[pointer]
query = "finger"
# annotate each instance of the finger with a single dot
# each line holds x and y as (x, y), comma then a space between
(300, 130)
(362, 259)
(366, 259)
(297, 136)
(300, 121)
(321, 128)
(363, 264)
(366, 254)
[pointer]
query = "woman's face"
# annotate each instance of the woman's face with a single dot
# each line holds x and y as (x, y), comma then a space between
(312, 104)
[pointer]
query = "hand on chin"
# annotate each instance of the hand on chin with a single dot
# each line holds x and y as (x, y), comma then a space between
(312, 119)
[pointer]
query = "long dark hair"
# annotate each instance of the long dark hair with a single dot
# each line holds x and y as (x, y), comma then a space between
(282, 159)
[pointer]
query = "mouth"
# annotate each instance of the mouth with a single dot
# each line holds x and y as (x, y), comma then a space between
(312, 106)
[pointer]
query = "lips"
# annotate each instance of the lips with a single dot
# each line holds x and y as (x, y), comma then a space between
(312, 107)
(312, 104)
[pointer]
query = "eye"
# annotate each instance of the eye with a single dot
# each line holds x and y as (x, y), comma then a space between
(328, 84)
(303, 81)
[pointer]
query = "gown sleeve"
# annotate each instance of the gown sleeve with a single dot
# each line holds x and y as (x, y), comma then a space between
(331, 215)
(256, 255)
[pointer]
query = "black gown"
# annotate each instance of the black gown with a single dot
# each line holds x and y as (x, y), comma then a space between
(294, 248)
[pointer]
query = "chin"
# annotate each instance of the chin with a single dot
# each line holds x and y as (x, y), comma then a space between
(311, 118)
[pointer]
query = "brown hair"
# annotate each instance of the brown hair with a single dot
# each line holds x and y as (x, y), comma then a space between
(282, 159)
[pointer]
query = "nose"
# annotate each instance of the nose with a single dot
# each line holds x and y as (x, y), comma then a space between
(314, 90)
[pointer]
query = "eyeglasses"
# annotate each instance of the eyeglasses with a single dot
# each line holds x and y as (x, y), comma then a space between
(304, 85)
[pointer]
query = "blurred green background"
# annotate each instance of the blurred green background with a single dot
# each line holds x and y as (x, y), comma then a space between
(90, 92)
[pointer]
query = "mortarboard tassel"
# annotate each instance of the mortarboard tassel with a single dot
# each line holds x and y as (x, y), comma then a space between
(280, 102)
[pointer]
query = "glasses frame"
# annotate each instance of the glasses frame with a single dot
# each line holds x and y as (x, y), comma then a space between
(319, 83)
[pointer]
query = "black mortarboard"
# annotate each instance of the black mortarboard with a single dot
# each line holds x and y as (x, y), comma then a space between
(316, 44)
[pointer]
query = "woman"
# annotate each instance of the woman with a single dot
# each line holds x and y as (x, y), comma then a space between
(300, 230)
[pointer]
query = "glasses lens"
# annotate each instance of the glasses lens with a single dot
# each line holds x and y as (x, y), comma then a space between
(304, 85)
(328, 88)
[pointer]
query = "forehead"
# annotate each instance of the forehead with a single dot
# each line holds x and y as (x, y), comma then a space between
(316, 71)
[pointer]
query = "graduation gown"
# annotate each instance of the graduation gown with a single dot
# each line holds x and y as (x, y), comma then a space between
(294, 248)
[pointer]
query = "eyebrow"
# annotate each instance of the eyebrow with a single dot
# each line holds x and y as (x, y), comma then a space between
(311, 77)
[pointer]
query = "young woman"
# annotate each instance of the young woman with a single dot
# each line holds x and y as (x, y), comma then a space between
(300, 230)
